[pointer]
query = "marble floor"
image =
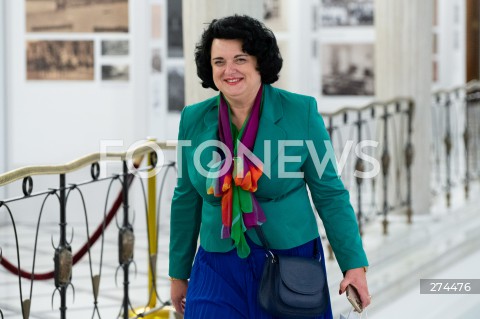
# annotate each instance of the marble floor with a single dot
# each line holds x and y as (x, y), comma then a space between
(80, 300)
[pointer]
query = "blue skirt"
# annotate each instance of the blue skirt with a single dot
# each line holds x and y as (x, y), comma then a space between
(223, 285)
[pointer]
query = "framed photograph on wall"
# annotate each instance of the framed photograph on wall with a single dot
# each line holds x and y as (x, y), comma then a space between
(156, 21)
(347, 69)
(175, 30)
(76, 16)
(347, 13)
(275, 15)
(60, 60)
(115, 48)
(156, 65)
(176, 88)
(117, 73)
(434, 71)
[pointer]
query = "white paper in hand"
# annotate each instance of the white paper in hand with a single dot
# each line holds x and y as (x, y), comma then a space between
(352, 315)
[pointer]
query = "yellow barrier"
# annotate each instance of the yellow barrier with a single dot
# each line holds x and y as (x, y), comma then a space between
(150, 312)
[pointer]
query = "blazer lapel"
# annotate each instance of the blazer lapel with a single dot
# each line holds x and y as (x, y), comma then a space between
(269, 132)
(209, 133)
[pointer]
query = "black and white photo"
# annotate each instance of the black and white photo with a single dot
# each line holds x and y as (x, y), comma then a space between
(175, 30)
(347, 13)
(115, 47)
(156, 61)
(274, 14)
(176, 88)
(118, 73)
(347, 69)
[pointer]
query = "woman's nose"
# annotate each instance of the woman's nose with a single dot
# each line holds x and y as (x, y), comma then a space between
(230, 68)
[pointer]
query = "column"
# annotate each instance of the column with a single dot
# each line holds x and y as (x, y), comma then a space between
(3, 99)
(196, 15)
(403, 61)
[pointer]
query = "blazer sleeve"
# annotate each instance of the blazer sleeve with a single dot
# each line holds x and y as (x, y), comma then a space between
(330, 197)
(185, 217)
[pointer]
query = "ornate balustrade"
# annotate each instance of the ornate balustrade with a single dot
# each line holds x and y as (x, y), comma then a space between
(456, 139)
(374, 148)
(65, 257)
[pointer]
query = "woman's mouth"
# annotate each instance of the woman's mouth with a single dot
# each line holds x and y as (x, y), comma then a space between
(233, 81)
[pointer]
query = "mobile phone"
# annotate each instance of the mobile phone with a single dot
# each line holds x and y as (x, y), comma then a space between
(354, 298)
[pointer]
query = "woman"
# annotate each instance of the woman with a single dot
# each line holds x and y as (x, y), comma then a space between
(260, 181)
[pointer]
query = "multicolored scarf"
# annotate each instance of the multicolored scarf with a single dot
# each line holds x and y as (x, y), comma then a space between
(240, 208)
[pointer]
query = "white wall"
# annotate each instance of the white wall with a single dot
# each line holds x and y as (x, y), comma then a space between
(2, 96)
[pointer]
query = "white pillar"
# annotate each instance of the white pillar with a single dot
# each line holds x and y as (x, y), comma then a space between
(404, 68)
(3, 100)
(196, 15)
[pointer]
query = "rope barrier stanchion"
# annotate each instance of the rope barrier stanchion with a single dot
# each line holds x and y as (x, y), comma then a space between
(152, 229)
(150, 311)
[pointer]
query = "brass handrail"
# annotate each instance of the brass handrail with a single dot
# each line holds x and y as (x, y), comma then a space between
(81, 162)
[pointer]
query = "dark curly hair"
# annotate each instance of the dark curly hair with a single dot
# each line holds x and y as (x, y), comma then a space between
(257, 40)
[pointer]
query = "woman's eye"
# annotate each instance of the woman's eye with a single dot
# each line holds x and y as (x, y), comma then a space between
(219, 63)
(241, 60)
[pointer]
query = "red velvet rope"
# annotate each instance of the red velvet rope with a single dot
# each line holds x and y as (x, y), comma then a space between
(49, 275)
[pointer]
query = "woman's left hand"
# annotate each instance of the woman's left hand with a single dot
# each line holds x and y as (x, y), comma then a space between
(357, 278)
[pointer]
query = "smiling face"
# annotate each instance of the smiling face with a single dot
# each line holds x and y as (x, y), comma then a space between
(234, 72)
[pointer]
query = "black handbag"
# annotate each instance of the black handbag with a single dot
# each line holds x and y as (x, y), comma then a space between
(291, 286)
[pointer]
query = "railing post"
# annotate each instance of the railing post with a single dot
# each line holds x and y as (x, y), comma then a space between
(360, 167)
(448, 148)
(385, 169)
(466, 139)
(126, 240)
(63, 253)
(63, 241)
(471, 136)
(409, 154)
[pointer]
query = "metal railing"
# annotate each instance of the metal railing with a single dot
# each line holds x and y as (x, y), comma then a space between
(387, 129)
(63, 255)
(456, 139)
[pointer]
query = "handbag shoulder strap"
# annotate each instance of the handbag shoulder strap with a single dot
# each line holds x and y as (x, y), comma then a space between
(266, 246)
(261, 236)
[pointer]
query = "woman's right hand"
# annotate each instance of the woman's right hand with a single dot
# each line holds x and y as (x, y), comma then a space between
(178, 292)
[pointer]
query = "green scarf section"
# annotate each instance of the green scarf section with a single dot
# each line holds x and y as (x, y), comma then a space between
(241, 199)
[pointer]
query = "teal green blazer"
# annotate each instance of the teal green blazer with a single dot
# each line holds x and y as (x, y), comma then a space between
(288, 121)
